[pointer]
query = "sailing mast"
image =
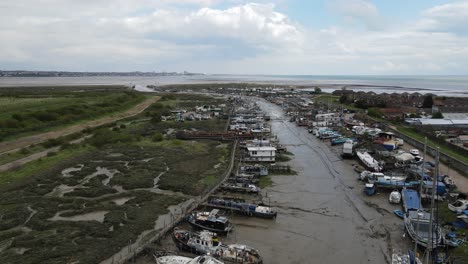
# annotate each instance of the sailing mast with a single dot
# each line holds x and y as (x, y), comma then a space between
(434, 190)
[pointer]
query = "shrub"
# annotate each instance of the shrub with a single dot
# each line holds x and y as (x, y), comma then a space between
(158, 137)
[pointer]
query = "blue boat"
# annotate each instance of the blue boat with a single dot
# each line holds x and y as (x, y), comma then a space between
(411, 200)
(370, 189)
(399, 213)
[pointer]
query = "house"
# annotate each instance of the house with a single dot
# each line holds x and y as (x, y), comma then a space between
(261, 154)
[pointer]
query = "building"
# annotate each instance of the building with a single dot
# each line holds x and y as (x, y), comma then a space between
(267, 154)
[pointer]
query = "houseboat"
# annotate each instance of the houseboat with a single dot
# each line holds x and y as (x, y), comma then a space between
(211, 221)
(185, 260)
(242, 207)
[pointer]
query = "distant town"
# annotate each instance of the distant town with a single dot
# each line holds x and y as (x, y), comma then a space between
(19, 73)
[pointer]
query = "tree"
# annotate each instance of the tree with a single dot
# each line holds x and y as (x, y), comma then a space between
(317, 90)
(428, 102)
(437, 115)
(343, 99)
(374, 112)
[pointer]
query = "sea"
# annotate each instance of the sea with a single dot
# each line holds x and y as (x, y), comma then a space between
(446, 85)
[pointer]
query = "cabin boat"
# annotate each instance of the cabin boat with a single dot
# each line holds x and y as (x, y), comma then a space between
(417, 224)
(211, 221)
(185, 260)
(243, 207)
(257, 169)
(206, 242)
(240, 187)
(375, 176)
(203, 242)
(368, 161)
(387, 139)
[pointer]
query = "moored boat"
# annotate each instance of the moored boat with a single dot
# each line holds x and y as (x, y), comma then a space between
(417, 224)
(243, 207)
(185, 260)
(211, 221)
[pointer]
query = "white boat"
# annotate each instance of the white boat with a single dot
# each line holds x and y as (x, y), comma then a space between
(185, 260)
(417, 225)
(395, 197)
(368, 161)
(458, 206)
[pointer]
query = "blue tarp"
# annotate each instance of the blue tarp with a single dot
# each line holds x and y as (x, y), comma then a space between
(411, 200)
(441, 190)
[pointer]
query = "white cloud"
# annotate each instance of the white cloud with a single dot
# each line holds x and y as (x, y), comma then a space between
(358, 11)
(197, 35)
(451, 17)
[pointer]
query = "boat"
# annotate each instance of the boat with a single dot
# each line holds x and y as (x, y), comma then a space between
(243, 207)
(410, 200)
(390, 182)
(368, 161)
(370, 189)
(240, 187)
(394, 197)
(185, 260)
(256, 169)
(206, 242)
(387, 140)
(211, 221)
(458, 206)
(237, 253)
(408, 258)
(464, 216)
(417, 225)
(399, 213)
(203, 242)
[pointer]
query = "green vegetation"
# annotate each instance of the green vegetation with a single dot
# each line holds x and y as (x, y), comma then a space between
(265, 182)
(411, 132)
(128, 160)
(31, 111)
(437, 115)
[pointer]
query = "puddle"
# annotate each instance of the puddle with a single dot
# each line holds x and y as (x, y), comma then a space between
(115, 155)
(104, 171)
(20, 251)
(217, 165)
(147, 160)
(60, 190)
(122, 201)
(93, 216)
(66, 173)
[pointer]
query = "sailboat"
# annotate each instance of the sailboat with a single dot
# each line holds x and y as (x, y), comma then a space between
(417, 224)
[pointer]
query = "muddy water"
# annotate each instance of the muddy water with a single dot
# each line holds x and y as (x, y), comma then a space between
(322, 218)
(323, 215)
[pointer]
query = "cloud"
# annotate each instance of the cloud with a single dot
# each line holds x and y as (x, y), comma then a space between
(451, 17)
(199, 35)
(358, 11)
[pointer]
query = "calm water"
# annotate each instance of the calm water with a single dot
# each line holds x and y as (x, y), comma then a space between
(440, 85)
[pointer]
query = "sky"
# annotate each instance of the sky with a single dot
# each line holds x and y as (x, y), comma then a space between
(322, 37)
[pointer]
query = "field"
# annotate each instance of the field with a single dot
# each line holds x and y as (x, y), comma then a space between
(89, 200)
(35, 110)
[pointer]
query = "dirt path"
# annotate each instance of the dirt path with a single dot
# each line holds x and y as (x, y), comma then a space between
(30, 140)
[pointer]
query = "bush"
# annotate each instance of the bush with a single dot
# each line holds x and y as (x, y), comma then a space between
(158, 137)
(53, 142)
(52, 153)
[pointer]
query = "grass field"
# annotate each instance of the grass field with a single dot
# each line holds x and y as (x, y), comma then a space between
(85, 181)
(27, 112)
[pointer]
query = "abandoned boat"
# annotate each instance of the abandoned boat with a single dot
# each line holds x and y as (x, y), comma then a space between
(211, 221)
(185, 260)
(370, 189)
(417, 224)
(237, 253)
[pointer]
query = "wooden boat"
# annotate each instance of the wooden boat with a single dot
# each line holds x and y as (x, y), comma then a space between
(185, 260)
(211, 221)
